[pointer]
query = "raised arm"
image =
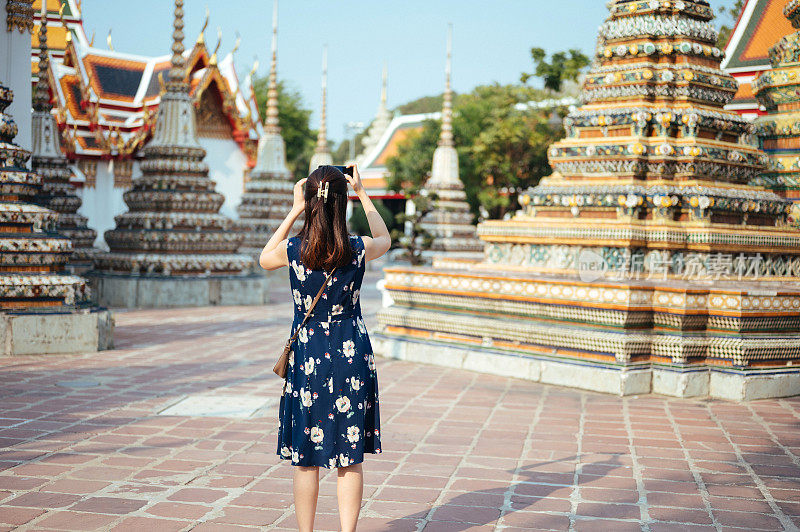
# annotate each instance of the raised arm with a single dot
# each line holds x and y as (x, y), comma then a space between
(273, 256)
(380, 242)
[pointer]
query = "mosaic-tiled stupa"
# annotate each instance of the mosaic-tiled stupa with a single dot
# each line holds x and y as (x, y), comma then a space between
(450, 221)
(172, 247)
(43, 309)
(778, 90)
(49, 162)
(645, 262)
(268, 193)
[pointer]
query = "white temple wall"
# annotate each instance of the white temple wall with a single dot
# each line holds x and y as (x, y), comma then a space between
(226, 164)
(102, 202)
(15, 73)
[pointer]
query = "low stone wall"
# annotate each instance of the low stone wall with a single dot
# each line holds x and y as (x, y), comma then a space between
(119, 291)
(54, 332)
(617, 379)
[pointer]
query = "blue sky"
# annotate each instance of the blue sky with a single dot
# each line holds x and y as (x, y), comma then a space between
(492, 39)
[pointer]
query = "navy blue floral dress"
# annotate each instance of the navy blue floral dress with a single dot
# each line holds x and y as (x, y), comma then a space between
(329, 407)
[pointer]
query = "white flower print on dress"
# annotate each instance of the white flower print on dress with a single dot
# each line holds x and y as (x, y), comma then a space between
(355, 296)
(285, 451)
(349, 348)
(317, 434)
(332, 462)
(307, 302)
(353, 433)
(371, 362)
(337, 309)
(305, 397)
(288, 387)
(295, 456)
(298, 298)
(309, 366)
(344, 461)
(291, 359)
(343, 404)
(303, 335)
(355, 384)
(362, 328)
(299, 271)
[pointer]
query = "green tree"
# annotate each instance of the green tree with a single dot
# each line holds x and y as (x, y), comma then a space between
(562, 66)
(728, 14)
(426, 104)
(293, 116)
(501, 148)
(358, 219)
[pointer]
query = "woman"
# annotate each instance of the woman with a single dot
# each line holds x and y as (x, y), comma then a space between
(329, 407)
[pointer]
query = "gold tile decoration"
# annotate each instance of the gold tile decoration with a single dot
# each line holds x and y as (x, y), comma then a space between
(654, 242)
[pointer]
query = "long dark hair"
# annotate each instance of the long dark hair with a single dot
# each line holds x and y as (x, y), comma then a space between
(324, 237)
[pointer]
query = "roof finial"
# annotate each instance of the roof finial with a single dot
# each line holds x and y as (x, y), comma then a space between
(236, 43)
(272, 92)
(108, 41)
(201, 39)
(322, 135)
(177, 72)
(446, 138)
(68, 37)
(213, 59)
(41, 94)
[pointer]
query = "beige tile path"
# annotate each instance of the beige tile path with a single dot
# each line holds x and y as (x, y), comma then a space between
(83, 447)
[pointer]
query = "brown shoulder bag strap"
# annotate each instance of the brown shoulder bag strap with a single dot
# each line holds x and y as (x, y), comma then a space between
(311, 308)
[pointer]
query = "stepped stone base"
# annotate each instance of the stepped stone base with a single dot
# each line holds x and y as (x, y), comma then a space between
(673, 380)
(125, 291)
(56, 331)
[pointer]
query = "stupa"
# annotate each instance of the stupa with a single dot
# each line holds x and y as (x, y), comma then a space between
(42, 308)
(645, 263)
(49, 162)
(268, 193)
(322, 152)
(173, 248)
(450, 220)
(381, 122)
(779, 131)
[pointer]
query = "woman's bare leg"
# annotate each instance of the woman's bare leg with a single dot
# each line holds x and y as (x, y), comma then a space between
(349, 490)
(306, 489)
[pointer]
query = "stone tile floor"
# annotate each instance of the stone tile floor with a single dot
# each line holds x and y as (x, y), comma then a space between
(83, 447)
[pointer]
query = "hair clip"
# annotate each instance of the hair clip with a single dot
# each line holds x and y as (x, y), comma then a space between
(322, 191)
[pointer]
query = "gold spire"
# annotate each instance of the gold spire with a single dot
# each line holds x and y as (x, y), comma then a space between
(177, 72)
(108, 41)
(41, 94)
(322, 135)
(271, 123)
(446, 138)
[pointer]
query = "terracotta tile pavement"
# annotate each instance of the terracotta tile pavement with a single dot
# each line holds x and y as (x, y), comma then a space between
(82, 446)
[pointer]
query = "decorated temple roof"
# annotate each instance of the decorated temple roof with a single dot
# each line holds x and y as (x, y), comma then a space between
(106, 100)
(373, 163)
(761, 23)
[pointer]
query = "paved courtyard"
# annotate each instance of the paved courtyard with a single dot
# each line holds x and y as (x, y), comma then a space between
(175, 430)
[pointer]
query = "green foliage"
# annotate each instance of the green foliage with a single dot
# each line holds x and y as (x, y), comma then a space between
(502, 150)
(409, 169)
(561, 67)
(358, 219)
(727, 14)
(293, 117)
(426, 104)
(418, 239)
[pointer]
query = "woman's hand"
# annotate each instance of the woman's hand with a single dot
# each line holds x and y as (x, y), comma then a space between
(355, 180)
(299, 204)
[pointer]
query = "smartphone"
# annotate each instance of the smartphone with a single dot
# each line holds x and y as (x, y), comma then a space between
(346, 170)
